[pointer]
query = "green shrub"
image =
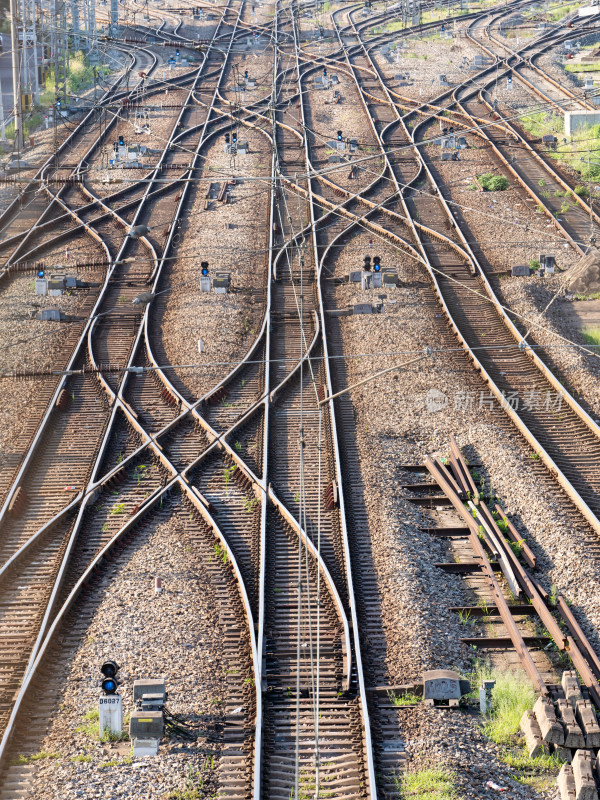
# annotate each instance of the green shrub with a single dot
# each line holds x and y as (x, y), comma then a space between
(581, 191)
(493, 183)
(534, 265)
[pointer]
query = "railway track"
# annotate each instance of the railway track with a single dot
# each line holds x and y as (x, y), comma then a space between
(89, 402)
(462, 286)
(278, 505)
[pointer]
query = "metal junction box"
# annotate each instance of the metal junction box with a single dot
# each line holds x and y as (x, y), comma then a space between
(146, 686)
(146, 725)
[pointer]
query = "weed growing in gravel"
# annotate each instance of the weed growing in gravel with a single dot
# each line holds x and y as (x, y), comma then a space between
(227, 473)
(90, 723)
(119, 508)
(516, 547)
(114, 762)
(591, 336)
(249, 504)
(428, 784)
(511, 696)
(109, 736)
(530, 768)
(581, 191)
(238, 447)
(220, 552)
(140, 472)
(493, 183)
(466, 618)
(43, 754)
(81, 758)
(406, 699)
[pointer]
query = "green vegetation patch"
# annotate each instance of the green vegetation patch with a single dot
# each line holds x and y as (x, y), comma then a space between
(428, 784)
(42, 755)
(511, 696)
(493, 183)
(405, 699)
(591, 336)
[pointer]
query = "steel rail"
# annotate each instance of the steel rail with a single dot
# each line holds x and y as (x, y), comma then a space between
(59, 581)
(470, 258)
(85, 336)
(364, 711)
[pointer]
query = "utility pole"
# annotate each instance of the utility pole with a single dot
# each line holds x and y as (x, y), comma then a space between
(114, 17)
(75, 21)
(16, 72)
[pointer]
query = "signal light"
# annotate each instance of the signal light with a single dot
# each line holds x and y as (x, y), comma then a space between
(204, 265)
(227, 138)
(324, 72)
(245, 74)
(376, 263)
(110, 684)
(368, 263)
(121, 141)
(340, 136)
(41, 273)
(234, 137)
(177, 53)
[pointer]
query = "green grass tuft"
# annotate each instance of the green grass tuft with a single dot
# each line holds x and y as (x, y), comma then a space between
(406, 699)
(428, 784)
(493, 183)
(591, 336)
(43, 754)
(511, 696)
